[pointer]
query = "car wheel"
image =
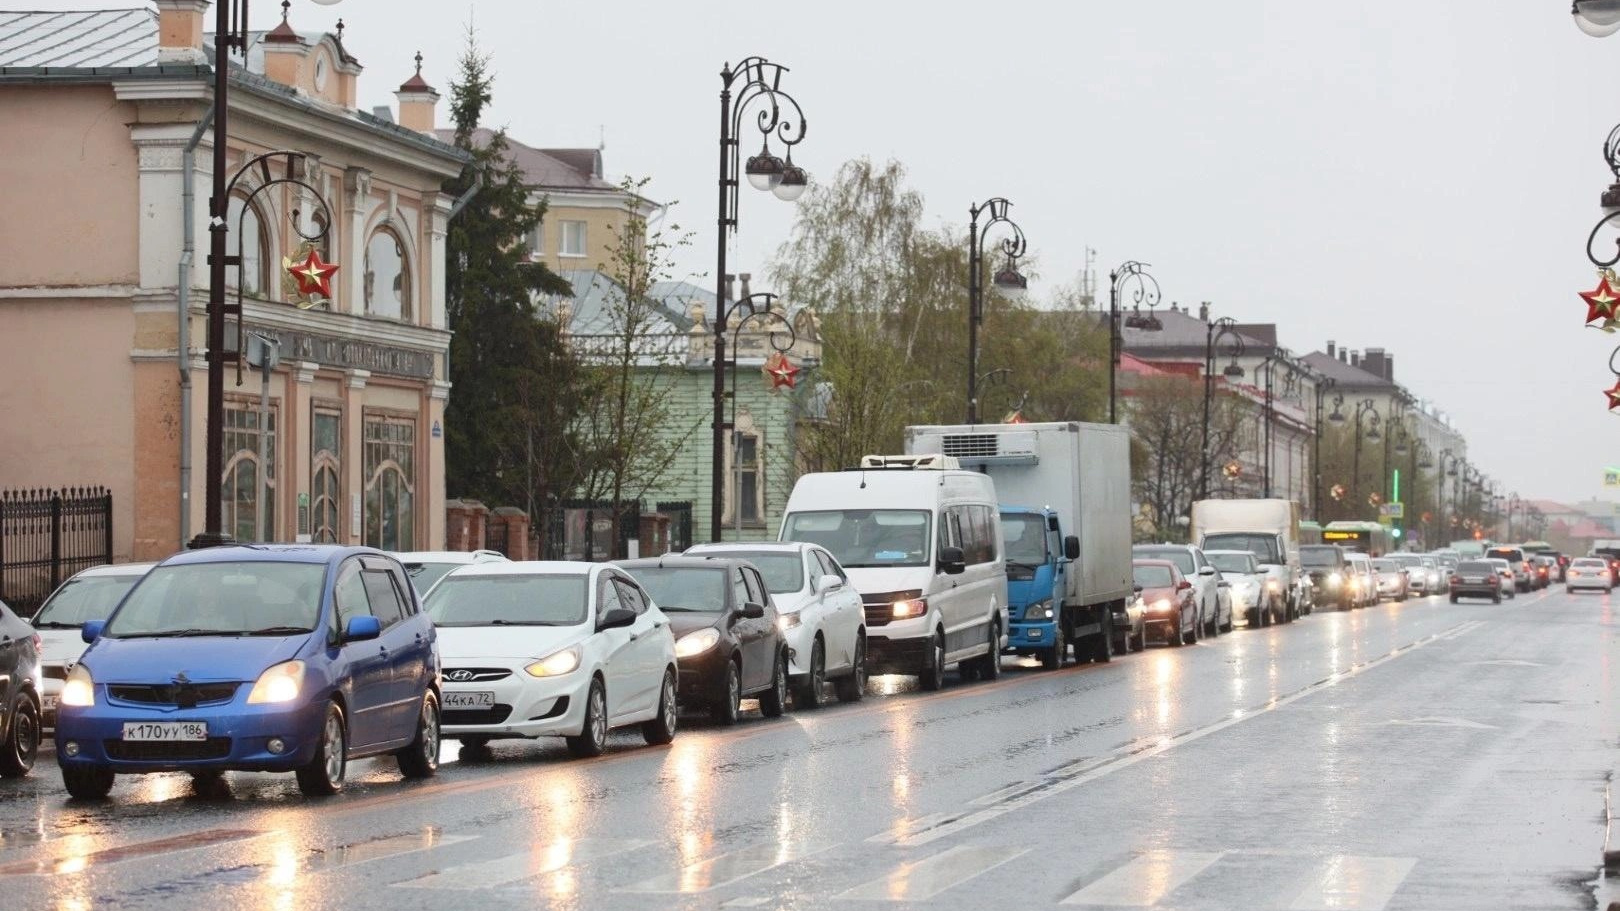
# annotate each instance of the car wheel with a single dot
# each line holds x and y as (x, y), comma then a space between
(1141, 638)
(1453, 599)
(22, 742)
(1497, 599)
(852, 686)
(324, 773)
(990, 664)
(932, 677)
(87, 782)
(421, 758)
(730, 705)
(661, 729)
(592, 737)
(1052, 658)
(773, 702)
(808, 695)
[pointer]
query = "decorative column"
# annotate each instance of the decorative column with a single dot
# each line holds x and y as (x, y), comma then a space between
(354, 456)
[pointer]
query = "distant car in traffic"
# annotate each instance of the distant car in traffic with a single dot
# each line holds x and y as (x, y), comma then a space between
(1523, 576)
(1418, 574)
(1588, 572)
(89, 595)
(820, 614)
(1476, 579)
(1214, 601)
(1505, 576)
(728, 645)
(1330, 576)
(1393, 582)
(1364, 581)
(427, 567)
(1546, 567)
(20, 714)
(1256, 594)
(1170, 600)
(269, 658)
(535, 648)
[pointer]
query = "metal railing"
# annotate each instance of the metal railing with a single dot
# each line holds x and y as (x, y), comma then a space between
(48, 535)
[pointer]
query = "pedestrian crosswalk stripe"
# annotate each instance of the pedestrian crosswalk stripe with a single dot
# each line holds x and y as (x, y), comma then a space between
(1145, 880)
(75, 863)
(538, 860)
(1350, 883)
(923, 879)
(725, 869)
(378, 848)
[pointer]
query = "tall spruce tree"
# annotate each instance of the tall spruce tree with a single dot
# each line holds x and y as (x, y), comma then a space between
(515, 385)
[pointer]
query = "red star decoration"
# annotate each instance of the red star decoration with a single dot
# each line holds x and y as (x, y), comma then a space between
(1601, 301)
(312, 275)
(781, 372)
(1613, 392)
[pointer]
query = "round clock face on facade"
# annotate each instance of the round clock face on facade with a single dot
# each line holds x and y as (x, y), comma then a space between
(320, 73)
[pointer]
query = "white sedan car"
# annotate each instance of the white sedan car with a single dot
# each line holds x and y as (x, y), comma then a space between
(1583, 572)
(89, 595)
(426, 567)
(819, 612)
(532, 649)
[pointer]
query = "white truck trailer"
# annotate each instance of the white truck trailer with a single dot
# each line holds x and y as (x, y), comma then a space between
(1077, 478)
(1269, 529)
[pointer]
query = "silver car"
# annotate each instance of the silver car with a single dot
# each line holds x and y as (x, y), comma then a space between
(1504, 572)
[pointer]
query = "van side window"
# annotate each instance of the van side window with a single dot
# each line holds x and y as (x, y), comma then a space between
(950, 528)
(976, 531)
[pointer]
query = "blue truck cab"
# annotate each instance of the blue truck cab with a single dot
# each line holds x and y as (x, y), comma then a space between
(1035, 582)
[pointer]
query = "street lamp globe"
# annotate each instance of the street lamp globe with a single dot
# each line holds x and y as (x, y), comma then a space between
(1373, 435)
(328, 2)
(764, 170)
(794, 182)
(1011, 282)
(1233, 371)
(1598, 18)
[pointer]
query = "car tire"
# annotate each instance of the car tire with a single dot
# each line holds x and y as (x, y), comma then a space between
(421, 758)
(726, 710)
(87, 782)
(1231, 622)
(591, 740)
(852, 686)
(990, 664)
(661, 729)
(773, 702)
(1141, 639)
(323, 775)
(1497, 599)
(932, 677)
(21, 748)
(1453, 599)
(809, 695)
(1052, 658)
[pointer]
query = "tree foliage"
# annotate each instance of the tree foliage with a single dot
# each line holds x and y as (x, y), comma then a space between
(1166, 417)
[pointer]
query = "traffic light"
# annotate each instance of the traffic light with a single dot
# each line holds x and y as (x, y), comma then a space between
(1395, 532)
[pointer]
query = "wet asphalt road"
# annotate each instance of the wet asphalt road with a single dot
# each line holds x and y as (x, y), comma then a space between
(1413, 756)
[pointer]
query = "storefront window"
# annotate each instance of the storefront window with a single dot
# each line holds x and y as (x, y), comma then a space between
(326, 468)
(239, 488)
(390, 468)
(387, 280)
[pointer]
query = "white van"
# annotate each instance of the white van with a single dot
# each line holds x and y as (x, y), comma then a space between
(921, 541)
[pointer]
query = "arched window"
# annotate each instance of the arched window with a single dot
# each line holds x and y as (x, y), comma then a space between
(387, 276)
(239, 488)
(255, 247)
(390, 479)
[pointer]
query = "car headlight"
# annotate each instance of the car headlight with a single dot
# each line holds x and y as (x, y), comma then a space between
(279, 683)
(1273, 585)
(1163, 604)
(1040, 610)
(555, 664)
(79, 691)
(785, 622)
(1334, 580)
(909, 607)
(696, 643)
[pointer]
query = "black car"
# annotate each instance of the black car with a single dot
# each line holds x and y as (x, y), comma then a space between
(727, 644)
(1330, 574)
(19, 695)
(1476, 579)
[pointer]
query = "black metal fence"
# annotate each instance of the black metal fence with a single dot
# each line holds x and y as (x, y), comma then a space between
(583, 530)
(680, 524)
(47, 536)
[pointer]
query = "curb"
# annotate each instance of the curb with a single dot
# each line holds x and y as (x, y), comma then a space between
(1611, 846)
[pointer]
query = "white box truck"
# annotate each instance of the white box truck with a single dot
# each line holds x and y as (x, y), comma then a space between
(1269, 529)
(1069, 484)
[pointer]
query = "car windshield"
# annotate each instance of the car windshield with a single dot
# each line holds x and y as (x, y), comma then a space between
(528, 599)
(1589, 563)
(1407, 560)
(865, 537)
(684, 588)
(1151, 576)
(81, 600)
(783, 571)
(1318, 556)
(1233, 563)
(235, 598)
(423, 575)
(1386, 566)
(1511, 555)
(1475, 566)
(1182, 557)
(1025, 535)
(1264, 547)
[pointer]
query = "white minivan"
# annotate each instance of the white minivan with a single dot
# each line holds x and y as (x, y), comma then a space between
(921, 541)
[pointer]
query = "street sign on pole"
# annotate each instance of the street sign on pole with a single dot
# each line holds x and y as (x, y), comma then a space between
(1396, 510)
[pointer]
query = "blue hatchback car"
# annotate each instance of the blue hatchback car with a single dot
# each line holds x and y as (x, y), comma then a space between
(273, 658)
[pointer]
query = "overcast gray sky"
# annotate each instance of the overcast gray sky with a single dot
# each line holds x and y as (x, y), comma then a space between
(1415, 176)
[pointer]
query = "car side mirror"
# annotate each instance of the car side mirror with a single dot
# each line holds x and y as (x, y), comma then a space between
(91, 631)
(617, 618)
(752, 610)
(1223, 584)
(1071, 548)
(1137, 589)
(360, 629)
(1183, 585)
(1207, 571)
(829, 582)
(951, 561)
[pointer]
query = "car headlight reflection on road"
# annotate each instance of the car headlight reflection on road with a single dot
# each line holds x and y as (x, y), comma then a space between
(696, 643)
(279, 683)
(79, 690)
(555, 664)
(785, 622)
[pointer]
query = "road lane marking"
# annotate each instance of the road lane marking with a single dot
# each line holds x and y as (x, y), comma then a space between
(1441, 722)
(905, 827)
(1350, 883)
(1145, 880)
(725, 869)
(1128, 756)
(75, 863)
(542, 859)
(923, 879)
(362, 852)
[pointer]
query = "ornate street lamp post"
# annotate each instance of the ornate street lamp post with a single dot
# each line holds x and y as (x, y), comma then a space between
(1225, 327)
(1364, 409)
(1323, 384)
(1007, 278)
(755, 79)
(756, 308)
(1144, 289)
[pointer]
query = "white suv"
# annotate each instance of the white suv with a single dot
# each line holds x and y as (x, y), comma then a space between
(427, 567)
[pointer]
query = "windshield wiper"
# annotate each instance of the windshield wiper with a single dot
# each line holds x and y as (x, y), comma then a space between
(52, 624)
(175, 633)
(498, 622)
(277, 631)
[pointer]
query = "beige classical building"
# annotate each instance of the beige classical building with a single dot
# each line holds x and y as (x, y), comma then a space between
(102, 323)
